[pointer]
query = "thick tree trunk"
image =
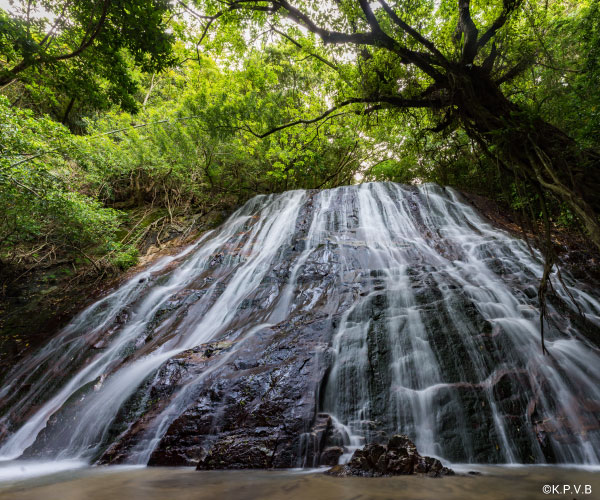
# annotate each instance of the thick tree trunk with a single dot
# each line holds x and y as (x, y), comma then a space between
(534, 149)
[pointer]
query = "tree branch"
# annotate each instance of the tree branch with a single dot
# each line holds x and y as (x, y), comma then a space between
(300, 46)
(509, 6)
(413, 33)
(515, 71)
(467, 26)
(488, 63)
(379, 101)
(371, 19)
(50, 32)
(326, 35)
(84, 44)
(376, 38)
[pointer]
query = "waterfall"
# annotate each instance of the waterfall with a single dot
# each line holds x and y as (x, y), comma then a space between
(432, 330)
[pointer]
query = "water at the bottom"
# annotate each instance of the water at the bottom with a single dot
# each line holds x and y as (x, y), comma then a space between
(144, 483)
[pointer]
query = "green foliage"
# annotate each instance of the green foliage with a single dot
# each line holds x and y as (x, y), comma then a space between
(39, 200)
(60, 55)
(198, 137)
(562, 82)
(124, 256)
(193, 146)
(173, 118)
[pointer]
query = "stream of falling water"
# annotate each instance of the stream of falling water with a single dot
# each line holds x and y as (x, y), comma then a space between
(269, 235)
(448, 311)
(474, 259)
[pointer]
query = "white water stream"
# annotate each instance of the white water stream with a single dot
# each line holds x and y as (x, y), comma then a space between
(446, 314)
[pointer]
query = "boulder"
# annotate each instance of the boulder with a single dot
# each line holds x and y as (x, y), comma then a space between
(398, 457)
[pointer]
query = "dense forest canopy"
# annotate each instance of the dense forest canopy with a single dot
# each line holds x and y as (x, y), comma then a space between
(456, 59)
(123, 116)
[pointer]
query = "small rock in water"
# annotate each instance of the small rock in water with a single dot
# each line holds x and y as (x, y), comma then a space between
(398, 457)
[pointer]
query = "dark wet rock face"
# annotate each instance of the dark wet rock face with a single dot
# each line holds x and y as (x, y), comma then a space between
(254, 411)
(398, 457)
(310, 324)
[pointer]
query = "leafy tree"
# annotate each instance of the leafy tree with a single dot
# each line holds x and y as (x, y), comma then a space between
(456, 60)
(81, 54)
(191, 148)
(199, 125)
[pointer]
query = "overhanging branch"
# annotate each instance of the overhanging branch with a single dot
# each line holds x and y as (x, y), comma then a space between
(371, 19)
(375, 38)
(380, 102)
(300, 46)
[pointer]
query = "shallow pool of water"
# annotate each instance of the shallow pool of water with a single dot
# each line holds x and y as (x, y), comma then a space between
(149, 483)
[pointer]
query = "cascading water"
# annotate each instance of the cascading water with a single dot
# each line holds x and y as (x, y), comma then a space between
(441, 273)
(387, 308)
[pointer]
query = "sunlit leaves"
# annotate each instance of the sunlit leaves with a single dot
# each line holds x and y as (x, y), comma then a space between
(66, 57)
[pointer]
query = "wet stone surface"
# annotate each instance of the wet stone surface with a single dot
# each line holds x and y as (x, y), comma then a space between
(315, 323)
(398, 457)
